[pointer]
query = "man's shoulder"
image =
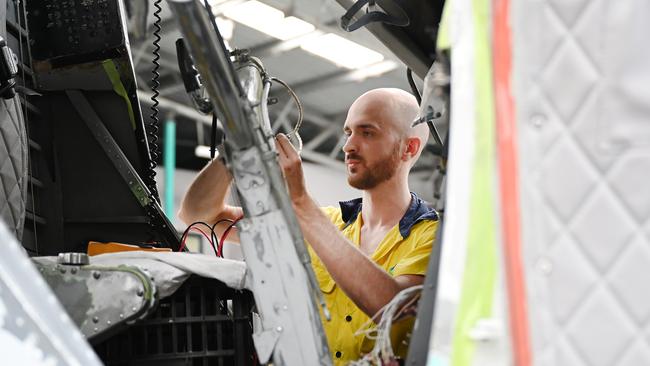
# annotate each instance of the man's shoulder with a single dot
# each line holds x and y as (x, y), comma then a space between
(425, 226)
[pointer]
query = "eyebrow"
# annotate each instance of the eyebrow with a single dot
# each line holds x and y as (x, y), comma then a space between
(367, 126)
(364, 126)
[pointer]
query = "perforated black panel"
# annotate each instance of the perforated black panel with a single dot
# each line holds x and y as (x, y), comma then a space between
(61, 28)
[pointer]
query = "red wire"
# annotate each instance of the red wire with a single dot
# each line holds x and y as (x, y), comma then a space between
(204, 234)
(225, 235)
(183, 242)
(184, 238)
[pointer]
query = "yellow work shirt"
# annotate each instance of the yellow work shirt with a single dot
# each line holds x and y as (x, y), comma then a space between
(404, 250)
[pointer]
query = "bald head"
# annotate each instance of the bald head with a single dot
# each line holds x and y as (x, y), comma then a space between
(395, 109)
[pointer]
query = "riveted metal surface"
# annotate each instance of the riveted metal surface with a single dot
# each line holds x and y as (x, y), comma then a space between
(97, 298)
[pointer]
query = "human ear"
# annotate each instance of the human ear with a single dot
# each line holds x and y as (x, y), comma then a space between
(412, 147)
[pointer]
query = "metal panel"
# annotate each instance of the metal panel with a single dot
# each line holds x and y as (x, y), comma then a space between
(34, 328)
(583, 107)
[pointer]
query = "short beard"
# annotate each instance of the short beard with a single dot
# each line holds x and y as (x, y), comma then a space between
(377, 173)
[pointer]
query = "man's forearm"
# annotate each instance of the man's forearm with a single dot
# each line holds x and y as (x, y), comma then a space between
(205, 198)
(345, 262)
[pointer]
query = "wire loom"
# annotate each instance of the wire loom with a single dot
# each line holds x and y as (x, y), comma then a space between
(382, 353)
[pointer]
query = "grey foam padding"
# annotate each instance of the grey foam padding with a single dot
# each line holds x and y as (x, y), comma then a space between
(13, 156)
(582, 91)
(13, 165)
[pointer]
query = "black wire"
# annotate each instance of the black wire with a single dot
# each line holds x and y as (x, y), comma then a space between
(414, 88)
(213, 136)
(213, 131)
(215, 234)
(152, 130)
(212, 234)
(213, 21)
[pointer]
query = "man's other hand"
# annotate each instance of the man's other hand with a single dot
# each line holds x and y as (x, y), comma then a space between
(291, 165)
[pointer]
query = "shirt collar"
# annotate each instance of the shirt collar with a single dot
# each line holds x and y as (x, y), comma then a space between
(417, 211)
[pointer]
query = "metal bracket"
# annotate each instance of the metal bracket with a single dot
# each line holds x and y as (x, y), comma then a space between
(123, 166)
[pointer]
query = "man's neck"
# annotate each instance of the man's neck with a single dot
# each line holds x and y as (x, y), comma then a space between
(385, 204)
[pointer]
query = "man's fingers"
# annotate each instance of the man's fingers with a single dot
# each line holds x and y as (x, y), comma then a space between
(283, 156)
(286, 145)
(279, 147)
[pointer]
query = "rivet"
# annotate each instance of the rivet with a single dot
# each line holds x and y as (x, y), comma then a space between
(279, 329)
(140, 293)
(95, 319)
(96, 275)
(545, 266)
(538, 120)
(73, 270)
(108, 322)
(62, 269)
(96, 330)
(134, 309)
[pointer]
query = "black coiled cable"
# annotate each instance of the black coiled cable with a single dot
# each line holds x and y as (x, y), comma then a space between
(154, 122)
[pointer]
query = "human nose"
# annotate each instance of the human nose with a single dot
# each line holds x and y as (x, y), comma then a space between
(350, 145)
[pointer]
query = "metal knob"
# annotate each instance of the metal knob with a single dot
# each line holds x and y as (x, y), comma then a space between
(78, 259)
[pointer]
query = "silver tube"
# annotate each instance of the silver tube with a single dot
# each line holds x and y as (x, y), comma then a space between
(214, 65)
(273, 245)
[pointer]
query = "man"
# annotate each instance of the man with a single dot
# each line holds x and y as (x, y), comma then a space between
(371, 248)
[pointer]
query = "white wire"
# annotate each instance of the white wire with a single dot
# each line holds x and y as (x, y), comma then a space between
(382, 352)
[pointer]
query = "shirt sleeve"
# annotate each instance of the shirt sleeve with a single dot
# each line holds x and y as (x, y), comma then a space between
(333, 213)
(417, 259)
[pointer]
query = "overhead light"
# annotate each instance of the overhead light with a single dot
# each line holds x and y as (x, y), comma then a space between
(374, 70)
(267, 19)
(298, 32)
(202, 151)
(341, 51)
